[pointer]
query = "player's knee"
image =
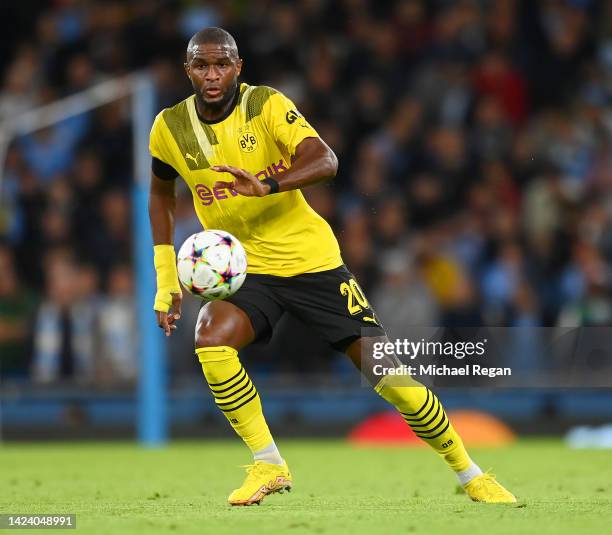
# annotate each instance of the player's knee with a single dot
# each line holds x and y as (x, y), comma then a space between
(219, 326)
(206, 337)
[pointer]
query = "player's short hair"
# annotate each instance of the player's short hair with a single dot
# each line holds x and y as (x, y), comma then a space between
(213, 36)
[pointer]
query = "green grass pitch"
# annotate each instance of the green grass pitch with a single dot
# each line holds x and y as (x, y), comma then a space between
(122, 489)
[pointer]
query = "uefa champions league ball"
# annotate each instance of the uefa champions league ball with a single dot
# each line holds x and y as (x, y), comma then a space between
(212, 264)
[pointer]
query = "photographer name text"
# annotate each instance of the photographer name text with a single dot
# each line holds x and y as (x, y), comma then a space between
(443, 370)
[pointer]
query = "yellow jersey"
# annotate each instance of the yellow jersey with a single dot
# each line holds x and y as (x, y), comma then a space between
(281, 233)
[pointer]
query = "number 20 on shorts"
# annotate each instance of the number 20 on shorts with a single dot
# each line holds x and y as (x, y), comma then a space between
(356, 300)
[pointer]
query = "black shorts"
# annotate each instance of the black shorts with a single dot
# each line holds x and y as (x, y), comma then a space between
(331, 302)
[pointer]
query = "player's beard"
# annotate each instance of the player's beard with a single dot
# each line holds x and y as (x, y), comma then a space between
(219, 106)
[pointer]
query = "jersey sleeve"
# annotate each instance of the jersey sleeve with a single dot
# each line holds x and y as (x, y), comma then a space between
(287, 125)
(158, 141)
(162, 169)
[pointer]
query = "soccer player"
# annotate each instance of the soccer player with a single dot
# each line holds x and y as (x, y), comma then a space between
(245, 152)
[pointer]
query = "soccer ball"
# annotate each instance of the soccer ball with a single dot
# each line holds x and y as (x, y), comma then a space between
(212, 264)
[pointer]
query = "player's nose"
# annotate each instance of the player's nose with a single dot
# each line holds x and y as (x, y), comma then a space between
(212, 74)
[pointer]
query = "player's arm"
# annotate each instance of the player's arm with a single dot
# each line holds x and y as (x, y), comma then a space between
(312, 163)
(162, 206)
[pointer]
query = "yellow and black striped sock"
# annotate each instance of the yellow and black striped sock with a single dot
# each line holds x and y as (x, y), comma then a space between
(423, 412)
(235, 395)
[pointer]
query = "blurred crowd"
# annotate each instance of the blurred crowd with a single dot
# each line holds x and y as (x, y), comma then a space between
(475, 180)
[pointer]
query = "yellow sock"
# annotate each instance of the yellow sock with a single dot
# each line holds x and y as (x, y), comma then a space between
(424, 413)
(235, 395)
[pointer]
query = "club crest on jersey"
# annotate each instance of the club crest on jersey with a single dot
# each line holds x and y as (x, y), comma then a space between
(247, 142)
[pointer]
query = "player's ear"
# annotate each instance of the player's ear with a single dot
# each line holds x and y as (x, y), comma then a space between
(238, 66)
(186, 66)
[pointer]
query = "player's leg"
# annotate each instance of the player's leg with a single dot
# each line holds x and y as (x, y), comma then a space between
(418, 405)
(333, 303)
(424, 413)
(222, 329)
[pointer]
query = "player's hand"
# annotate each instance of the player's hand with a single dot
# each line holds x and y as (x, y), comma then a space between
(167, 320)
(244, 182)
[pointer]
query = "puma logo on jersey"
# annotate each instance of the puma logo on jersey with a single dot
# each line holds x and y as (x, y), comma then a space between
(371, 320)
(194, 158)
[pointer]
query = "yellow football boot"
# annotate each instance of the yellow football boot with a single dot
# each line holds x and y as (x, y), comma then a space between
(262, 479)
(485, 488)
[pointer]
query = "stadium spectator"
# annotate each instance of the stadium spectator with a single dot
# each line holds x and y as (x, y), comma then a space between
(17, 306)
(401, 299)
(117, 356)
(65, 327)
